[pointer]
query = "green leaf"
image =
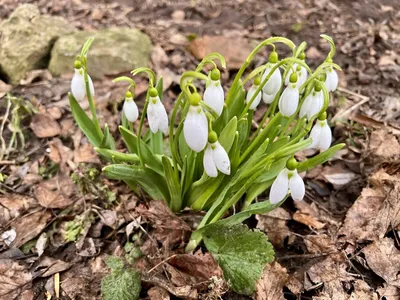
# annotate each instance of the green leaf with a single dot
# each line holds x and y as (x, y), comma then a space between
(114, 262)
(148, 158)
(173, 185)
(86, 46)
(159, 87)
(319, 159)
(241, 253)
(108, 141)
(122, 283)
(84, 122)
(149, 180)
(156, 142)
(227, 135)
(116, 156)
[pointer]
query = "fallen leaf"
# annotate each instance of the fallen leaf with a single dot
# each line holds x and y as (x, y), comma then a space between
(274, 224)
(14, 279)
(42, 243)
(390, 292)
(178, 15)
(44, 126)
(56, 192)
(30, 226)
(384, 146)
(308, 220)
(85, 154)
(234, 55)
(270, 286)
(375, 211)
(54, 112)
(362, 291)
(158, 293)
(338, 176)
(48, 266)
(384, 259)
(321, 243)
(9, 236)
(14, 205)
(59, 153)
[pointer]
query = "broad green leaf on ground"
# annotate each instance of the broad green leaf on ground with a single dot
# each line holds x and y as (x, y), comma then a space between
(241, 253)
(123, 283)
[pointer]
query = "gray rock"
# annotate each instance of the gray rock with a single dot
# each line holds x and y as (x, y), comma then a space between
(114, 50)
(26, 39)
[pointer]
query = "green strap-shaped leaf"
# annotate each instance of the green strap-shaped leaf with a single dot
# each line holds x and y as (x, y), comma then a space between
(149, 159)
(241, 253)
(227, 134)
(117, 156)
(319, 159)
(149, 180)
(173, 185)
(84, 122)
(108, 141)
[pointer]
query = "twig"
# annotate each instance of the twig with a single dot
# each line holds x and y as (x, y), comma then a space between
(353, 107)
(160, 263)
(5, 119)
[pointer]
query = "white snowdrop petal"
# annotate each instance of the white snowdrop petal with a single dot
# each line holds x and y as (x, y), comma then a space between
(221, 159)
(303, 76)
(289, 101)
(334, 80)
(256, 100)
(91, 87)
(195, 129)
(315, 135)
(316, 105)
(305, 107)
(296, 186)
(130, 110)
(214, 96)
(279, 188)
(152, 116)
(268, 99)
(208, 163)
(163, 118)
(325, 137)
(287, 79)
(274, 83)
(78, 86)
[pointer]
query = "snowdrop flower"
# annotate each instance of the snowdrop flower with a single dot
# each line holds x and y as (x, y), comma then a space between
(215, 157)
(321, 134)
(251, 92)
(289, 99)
(195, 126)
(156, 114)
(274, 83)
(268, 99)
(287, 180)
(302, 74)
(130, 108)
(78, 87)
(313, 103)
(332, 80)
(214, 93)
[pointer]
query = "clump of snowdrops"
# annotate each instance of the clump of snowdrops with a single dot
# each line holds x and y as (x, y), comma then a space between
(206, 154)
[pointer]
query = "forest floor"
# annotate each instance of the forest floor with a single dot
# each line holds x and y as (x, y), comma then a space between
(341, 242)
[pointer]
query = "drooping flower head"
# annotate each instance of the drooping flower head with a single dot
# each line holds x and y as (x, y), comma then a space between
(195, 126)
(214, 93)
(78, 86)
(289, 99)
(215, 157)
(313, 103)
(301, 71)
(251, 93)
(130, 108)
(156, 113)
(287, 180)
(321, 134)
(273, 84)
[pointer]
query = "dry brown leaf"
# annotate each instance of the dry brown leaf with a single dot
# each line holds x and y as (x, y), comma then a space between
(376, 211)
(270, 286)
(54, 112)
(158, 293)
(29, 226)
(48, 266)
(307, 220)
(59, 153)
(274, 224)
(14, 278)
(321, 243)
(338, 175)
(14, 205)
(85, 154)
(44, 126)
(234, 55)
(362, 291)
(332, 274)
(384, 146)
(384, 259)
(390, 292)
(56, 192)
(199, 265)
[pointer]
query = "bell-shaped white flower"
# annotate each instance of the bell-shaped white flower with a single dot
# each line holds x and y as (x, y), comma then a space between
(287, 180)
(216, 158)
(312, 105)
(157, 115)
(301, 73)
(195, 128)
(321, 136)
(274, 83)
(268, 99)
(250, 94)
(289, 99)
(332, 80)
(130, 108)
(214, 96)
(78, 87)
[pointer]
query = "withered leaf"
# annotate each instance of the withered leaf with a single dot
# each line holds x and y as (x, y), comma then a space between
(274, 224)
(48, 266)
(158, 293)
(14, 205)
(270, 286)
(55, 192)
(44, 126)
(14, 278)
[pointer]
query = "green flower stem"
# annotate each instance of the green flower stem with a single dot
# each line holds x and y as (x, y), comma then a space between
(332, 52)
(149, 73)
(174, 151)
(269, 41)
(91, 103)
(209, 59)
(190, 75)
(139, 150)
